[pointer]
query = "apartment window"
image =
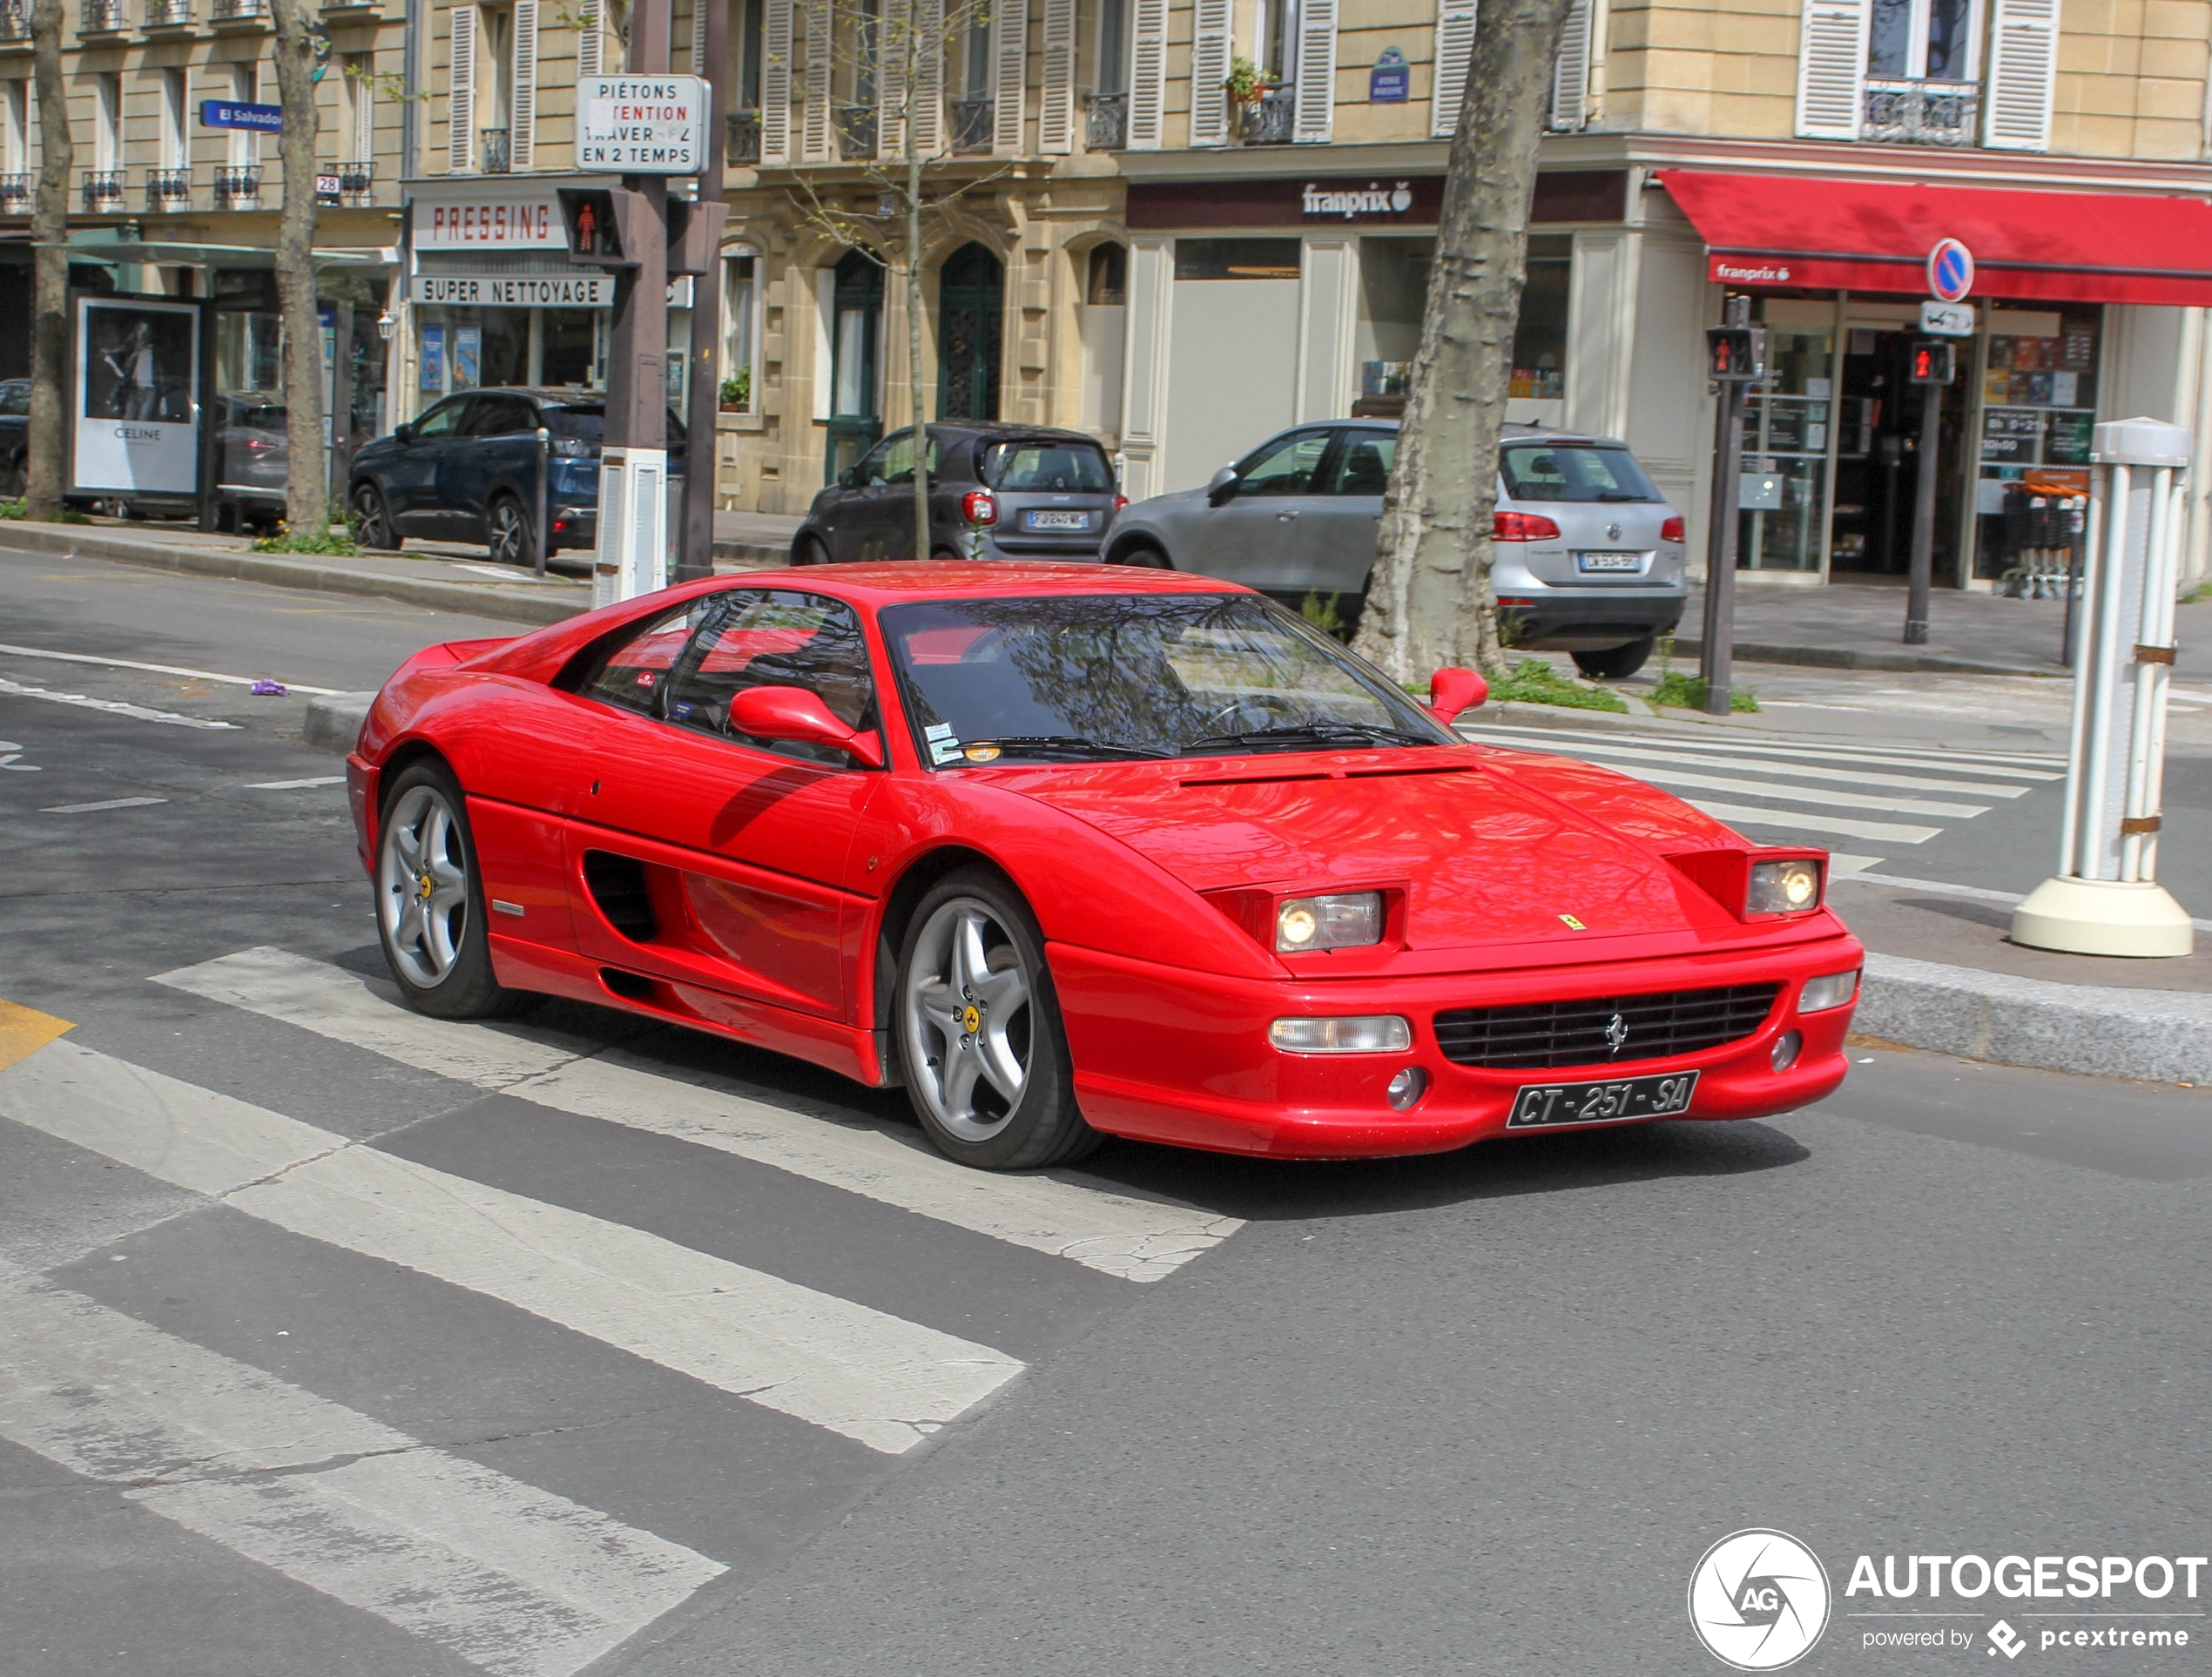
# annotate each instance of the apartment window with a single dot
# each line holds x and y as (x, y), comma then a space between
(975, 75)
(497, 37)
(749, 27)
(741, 330)
(1276, 30)
(15, 129)
(358, 93)
(107, 131)
(244, 144)
(1910, 72)
(1113, 47)
(176, 149)
(1922, 40)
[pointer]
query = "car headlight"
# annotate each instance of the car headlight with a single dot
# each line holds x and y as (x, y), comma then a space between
(1786, 887)
(1832, 990)
(1336, 920)
(1365, 1033)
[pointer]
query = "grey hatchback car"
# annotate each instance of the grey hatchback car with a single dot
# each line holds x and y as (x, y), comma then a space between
(996, 492)
(1589, 557)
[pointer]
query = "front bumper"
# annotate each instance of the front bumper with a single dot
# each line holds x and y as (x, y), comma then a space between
(1165, 1055)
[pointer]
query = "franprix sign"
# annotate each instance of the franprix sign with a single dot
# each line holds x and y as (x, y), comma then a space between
(641, 125)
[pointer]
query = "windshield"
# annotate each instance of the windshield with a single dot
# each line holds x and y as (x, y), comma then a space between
(1549, 471)
(1015, 467)
(1080, 677)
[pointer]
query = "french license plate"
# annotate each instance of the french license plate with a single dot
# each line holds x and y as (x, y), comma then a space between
(1540, 1105)
(1059, 520)
(1608, 562)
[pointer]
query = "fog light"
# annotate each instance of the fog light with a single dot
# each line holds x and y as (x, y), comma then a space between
(1407, 1086)
(1785, 1050)
(1831, 991)
(1368, 1034)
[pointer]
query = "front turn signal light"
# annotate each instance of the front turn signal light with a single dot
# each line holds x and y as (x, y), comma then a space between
(1365, 1033)
(1831, 991)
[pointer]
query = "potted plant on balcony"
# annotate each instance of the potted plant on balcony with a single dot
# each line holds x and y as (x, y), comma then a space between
(737, 391)
(1246, 84)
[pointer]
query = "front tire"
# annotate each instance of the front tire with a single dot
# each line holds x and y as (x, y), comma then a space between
(1616, 663)
(979, 1038)
(430, 901)
(373, 520)
(809, 550)
(511, 538)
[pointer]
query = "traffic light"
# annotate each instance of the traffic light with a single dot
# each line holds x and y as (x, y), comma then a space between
(694, 234)
(606, 226)
(1736, 354)
(1934, 361)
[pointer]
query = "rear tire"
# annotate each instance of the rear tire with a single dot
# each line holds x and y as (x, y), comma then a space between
(1616, 663)
(1144, 555)
(430, 902)
(980, 1040)
(510, 536)
(809, 550)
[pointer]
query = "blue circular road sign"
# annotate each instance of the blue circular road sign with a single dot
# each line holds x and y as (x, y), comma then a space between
(1951, 271)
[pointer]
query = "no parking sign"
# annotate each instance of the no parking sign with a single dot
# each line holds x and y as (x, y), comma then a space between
(1951, 271)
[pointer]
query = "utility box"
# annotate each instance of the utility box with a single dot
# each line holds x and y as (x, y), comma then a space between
(632, 555)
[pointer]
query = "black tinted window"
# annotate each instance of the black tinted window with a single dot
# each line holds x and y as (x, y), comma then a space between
(1546, 471)
(775, 637)
(440, 420)
(633, 672)
(585, 424)
(1046, 464)
(501, 416)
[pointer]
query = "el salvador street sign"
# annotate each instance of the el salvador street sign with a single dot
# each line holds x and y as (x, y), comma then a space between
(641, 125)
(224, 114)
(1947, 319)
(1951, 271)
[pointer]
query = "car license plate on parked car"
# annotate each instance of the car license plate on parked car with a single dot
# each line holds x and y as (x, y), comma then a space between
(1542, 1104)
(1059, 520)
(1608, 562)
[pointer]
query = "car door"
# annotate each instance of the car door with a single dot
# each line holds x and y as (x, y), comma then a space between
(879, 515)
(498, 442)
(1337, 532)
(708, 859)
(1249, 532)
(411, 479)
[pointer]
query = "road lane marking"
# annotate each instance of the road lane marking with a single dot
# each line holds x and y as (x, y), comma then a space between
(1742, 815)
(1804, 771)
(517, 1580)
(1790, 794)
(112, 707)
(296, 785)
(105, 803)
(155, 669)
(1117, 1235)
(884, 1381)
(2014, 764)
(24, 1031)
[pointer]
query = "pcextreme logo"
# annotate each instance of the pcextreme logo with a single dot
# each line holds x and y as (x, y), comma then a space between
(1759, 1599)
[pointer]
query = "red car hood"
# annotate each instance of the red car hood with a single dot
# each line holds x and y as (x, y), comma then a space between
(1490, 846)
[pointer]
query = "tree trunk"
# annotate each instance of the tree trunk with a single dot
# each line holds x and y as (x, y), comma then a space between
(1430, 602)
(49, 269)
(913, 338)
(307, 495)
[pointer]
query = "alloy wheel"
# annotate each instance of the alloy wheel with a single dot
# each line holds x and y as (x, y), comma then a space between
(509, 534)
(969, 1027)
(370, 529)
(422, 885)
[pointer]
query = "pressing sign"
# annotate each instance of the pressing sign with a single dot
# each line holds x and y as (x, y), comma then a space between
(641, 125)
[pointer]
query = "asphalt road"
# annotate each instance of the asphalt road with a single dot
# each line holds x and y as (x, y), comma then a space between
(327, 1343)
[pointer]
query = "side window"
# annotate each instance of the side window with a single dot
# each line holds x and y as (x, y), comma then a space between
(897, 464)
(871, 466)
(16, 399)
(1287, 468)
(776, 638)
(501, 416)
(1364, 467)
(441, 421)
(633, 674)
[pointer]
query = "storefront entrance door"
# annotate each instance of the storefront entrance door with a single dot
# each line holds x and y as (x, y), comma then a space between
(1878, 458)
(971, 296)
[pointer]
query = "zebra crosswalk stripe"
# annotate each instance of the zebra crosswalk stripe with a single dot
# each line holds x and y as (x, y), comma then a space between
(884, 1381)
(517, 1580)
(1118, 1235)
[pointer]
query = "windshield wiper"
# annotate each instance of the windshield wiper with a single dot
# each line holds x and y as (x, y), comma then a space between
(1078, 748)
(1312, 733)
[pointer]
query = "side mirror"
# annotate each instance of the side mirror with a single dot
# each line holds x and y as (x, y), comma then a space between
(849, 478)
(794, 713)
(1452, 690)
(1223, 486)
(404, 432)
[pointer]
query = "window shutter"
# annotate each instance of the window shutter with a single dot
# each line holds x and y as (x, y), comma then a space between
(775, 82)
(892, 42)
(1057, 110)
(1571, 75)
(2023, 69)
(523, 142)
(589, 52)
(1211, 42)
(1148, 76)
(699, 37)
(929, 76)
(1009, 71)
(1317, 71)
(1831, 69)
(1454, 51)
(815, 118)
(461, 104)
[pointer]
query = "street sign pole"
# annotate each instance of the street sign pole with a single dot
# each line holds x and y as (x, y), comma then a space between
(1932, 368)
(1736, 356)
(635, 448)
(695, 557)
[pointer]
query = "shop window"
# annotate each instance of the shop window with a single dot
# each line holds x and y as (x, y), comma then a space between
(741, 334)
(1237, 258)
(1393, 292)
(1783, 494)
(1540, 339)
(568, 354)
(2038, 400)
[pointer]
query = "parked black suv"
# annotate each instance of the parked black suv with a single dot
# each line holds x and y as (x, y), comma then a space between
(996, 492)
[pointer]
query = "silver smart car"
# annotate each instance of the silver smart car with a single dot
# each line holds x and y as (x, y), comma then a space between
(1589, 558)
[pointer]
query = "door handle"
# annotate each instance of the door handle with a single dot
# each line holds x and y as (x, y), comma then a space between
(1285, 517)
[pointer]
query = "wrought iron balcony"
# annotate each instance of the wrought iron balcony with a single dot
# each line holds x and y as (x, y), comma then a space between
(102, 18)
(741, 143)
(169, 14)
(357, 180)
(497, 150)
(14, 23)
(238, 189)
(239, 11)
(1270, 119)
(972, 125)
(856, 130)
(14, 194)
(1106, 121)
(1921, 113)
(102, 189)
(168, 189)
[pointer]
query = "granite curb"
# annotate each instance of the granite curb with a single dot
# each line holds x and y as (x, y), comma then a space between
(333, 720)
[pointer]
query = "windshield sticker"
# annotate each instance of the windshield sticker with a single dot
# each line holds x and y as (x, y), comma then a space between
(937, 730)
(944, 750)
(981, 753)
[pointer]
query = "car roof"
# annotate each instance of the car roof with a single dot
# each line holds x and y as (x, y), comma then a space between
(1514, 428)
(879, 584)
(558, 395)
(994, 428)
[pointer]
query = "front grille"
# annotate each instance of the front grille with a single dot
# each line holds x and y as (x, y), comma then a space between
(1580, 1033)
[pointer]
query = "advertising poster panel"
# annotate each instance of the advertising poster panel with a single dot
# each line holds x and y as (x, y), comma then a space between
(138, 367)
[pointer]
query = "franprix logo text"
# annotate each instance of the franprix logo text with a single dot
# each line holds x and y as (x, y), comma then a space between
(1764, 274)
(1352, 204)
(1758, 1599)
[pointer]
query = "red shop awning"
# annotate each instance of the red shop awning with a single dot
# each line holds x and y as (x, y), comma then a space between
(1871, 236)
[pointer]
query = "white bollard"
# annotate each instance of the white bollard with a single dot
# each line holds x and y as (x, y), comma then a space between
(2105, 898)
(632, 556)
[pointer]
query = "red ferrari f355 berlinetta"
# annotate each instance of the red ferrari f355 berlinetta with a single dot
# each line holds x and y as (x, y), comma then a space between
(1072, 852)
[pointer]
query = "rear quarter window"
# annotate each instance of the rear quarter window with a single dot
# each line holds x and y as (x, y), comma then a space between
(1549, 471)
(1044, 466)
